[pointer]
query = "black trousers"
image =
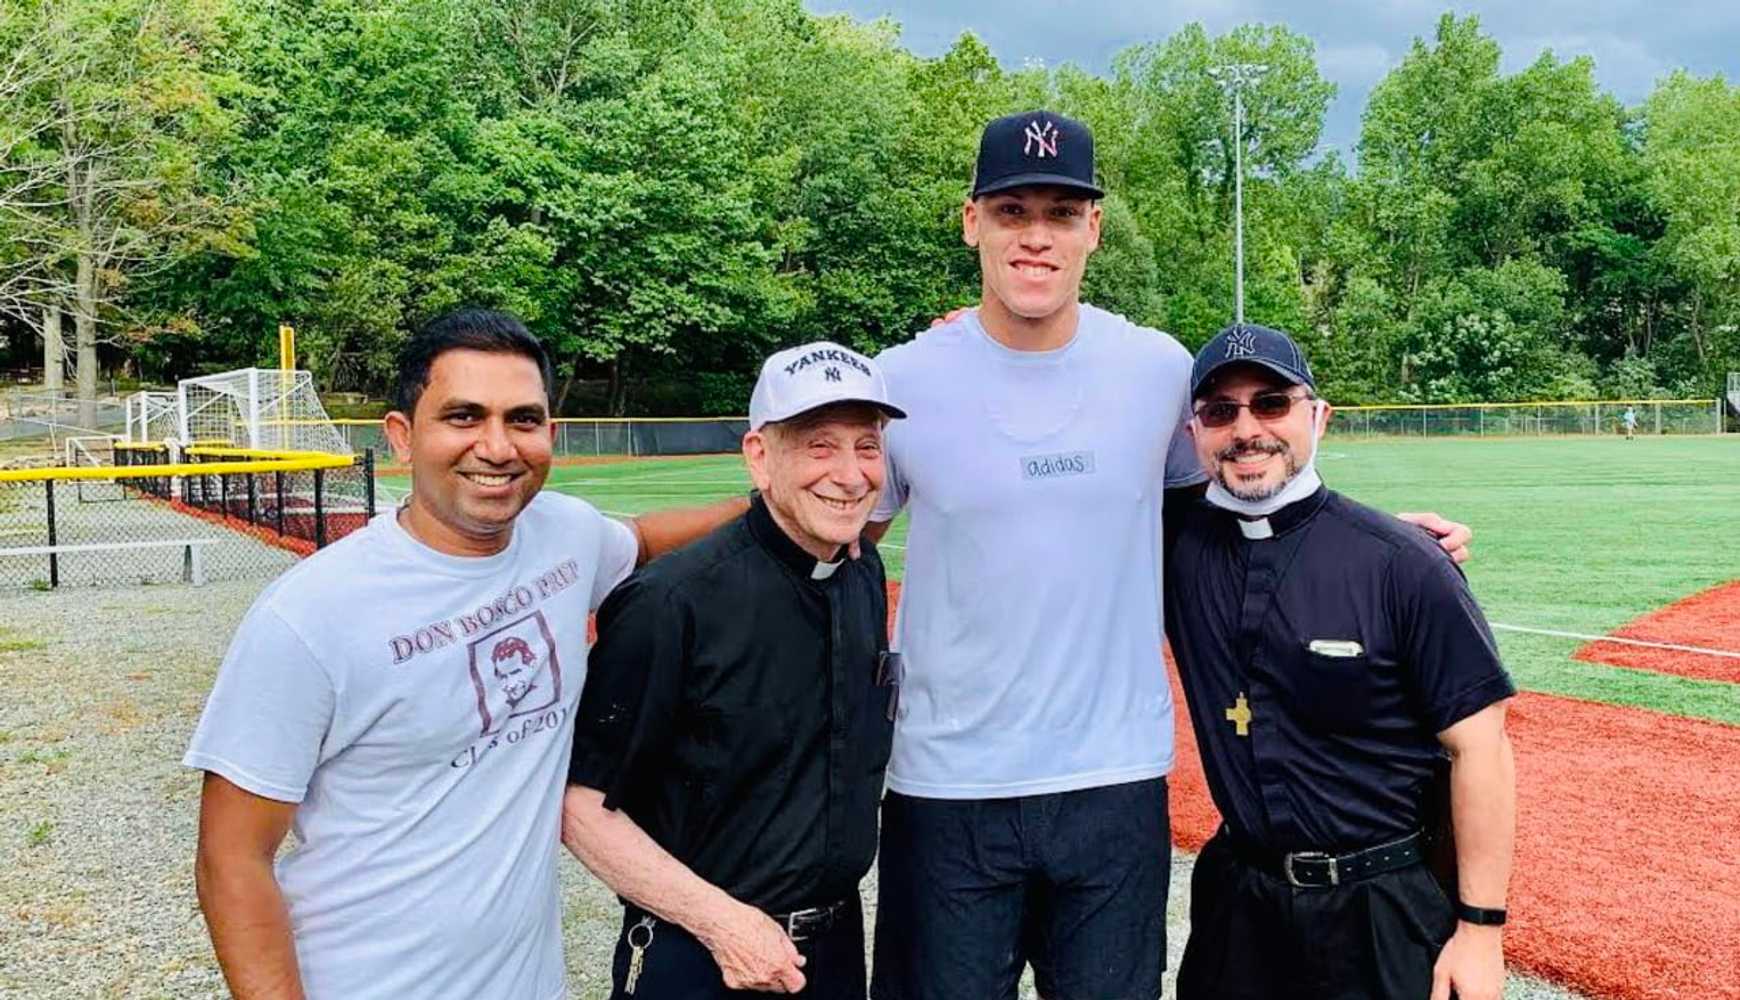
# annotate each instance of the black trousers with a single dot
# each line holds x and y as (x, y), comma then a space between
(1254, 937)
(676, 966)
(1071, 883)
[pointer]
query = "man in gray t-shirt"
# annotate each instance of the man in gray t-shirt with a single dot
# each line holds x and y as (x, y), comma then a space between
(1026, 820)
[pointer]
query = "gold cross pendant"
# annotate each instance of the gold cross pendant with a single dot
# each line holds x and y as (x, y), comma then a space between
(1240, 715)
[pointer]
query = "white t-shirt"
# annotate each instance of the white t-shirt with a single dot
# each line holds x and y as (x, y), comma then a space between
(419, 707)
(1030, 616)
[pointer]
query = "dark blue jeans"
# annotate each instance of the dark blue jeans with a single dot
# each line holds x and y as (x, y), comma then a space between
(1072, 883)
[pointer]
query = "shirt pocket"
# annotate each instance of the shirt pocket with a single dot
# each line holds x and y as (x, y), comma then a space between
(1332, 685)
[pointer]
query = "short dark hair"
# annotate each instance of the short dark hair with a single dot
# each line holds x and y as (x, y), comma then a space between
(468, 329)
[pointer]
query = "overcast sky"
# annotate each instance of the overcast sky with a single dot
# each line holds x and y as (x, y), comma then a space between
(1633, 42)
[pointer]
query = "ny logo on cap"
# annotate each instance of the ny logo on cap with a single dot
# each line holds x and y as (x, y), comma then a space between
(1045, 134)
(1241, 344)
(831, 374)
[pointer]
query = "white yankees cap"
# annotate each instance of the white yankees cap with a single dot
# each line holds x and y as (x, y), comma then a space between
(799, 379)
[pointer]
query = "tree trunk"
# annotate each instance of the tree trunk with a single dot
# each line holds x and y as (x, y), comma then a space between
(617, 398)
(567, 386)
(80, 198)
(53, 350)
(1697, 325)
(85, 327)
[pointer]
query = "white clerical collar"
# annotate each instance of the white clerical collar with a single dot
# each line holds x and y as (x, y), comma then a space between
(1256, 529)
(824, 570)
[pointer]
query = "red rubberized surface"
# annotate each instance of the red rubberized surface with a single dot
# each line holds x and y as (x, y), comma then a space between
(1709, 619)
(1627, 875)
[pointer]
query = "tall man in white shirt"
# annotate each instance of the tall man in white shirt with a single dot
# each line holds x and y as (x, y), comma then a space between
(1026, 820)
(403, 700)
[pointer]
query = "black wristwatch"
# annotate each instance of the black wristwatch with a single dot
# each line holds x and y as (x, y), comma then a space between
(1480, 916)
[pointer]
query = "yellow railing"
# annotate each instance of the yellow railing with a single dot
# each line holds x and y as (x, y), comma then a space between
(180, 469)
(256, 453)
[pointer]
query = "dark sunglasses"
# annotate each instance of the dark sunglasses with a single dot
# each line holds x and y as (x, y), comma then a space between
(1264, 406)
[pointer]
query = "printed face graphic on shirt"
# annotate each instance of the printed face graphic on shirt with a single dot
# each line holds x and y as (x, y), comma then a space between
(515, 668)
(514, 671)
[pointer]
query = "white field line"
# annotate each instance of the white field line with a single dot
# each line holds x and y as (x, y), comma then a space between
(1676, 647)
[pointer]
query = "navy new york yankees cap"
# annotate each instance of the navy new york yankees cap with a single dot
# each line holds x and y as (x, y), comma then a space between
(1035, 147)
(1249, 344)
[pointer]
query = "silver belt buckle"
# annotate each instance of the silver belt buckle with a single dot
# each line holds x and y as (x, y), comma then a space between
(791, 922)
(1293, 880)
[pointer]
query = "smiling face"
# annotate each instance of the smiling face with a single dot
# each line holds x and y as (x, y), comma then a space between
(1033, 246)
(479, 445)
(1254, 459)
(819, 473)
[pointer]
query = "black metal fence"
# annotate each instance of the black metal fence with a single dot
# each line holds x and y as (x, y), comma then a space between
(248, 519)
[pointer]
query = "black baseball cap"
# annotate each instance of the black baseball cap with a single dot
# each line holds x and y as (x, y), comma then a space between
(1035, 147)
(1249, 344)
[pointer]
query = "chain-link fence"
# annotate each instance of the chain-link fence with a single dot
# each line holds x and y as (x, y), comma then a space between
(32, 414)
(1653, 416)
(148, 521)
(585, 438)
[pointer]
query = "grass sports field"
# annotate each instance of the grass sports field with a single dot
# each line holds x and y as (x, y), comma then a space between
(1628, 880)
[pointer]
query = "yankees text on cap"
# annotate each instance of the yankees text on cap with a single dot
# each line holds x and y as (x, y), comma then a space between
(1249, 344)
(799, 379)
(1036, 147)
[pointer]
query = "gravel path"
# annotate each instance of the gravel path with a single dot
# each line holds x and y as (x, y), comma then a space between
(102, 688)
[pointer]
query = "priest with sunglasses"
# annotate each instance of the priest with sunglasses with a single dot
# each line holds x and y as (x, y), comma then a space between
(1332, 657)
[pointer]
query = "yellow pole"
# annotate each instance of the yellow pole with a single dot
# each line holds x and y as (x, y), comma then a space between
(286, 379)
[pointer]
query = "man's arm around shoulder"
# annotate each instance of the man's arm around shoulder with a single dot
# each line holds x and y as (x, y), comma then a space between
(239, 834)
(753, 952)
(661, 531)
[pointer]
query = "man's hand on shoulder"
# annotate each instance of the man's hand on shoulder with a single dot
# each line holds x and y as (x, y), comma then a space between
(753, 952)
(1453, 537)
(949, 317)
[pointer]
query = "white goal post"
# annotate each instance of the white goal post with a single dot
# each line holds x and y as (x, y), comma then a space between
(257, 408)
(152, 417)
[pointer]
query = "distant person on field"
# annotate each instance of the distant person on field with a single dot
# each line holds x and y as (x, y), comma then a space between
(403, 702)
(1331, 656)
(736, 721)
(1629, 419)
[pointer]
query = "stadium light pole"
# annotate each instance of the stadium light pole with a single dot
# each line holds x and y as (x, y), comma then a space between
(1235, 77)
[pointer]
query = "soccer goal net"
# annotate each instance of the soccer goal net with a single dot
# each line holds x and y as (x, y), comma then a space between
(152, 417)
(255, 408)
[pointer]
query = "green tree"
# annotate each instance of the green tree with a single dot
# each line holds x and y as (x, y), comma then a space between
(1692, 132)
(113, 130)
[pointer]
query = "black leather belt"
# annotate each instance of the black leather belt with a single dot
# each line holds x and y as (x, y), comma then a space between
(1318, 870)
(801, 924)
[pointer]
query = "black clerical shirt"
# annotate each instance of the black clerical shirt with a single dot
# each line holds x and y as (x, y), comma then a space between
(732, 709)
(1322, 651)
